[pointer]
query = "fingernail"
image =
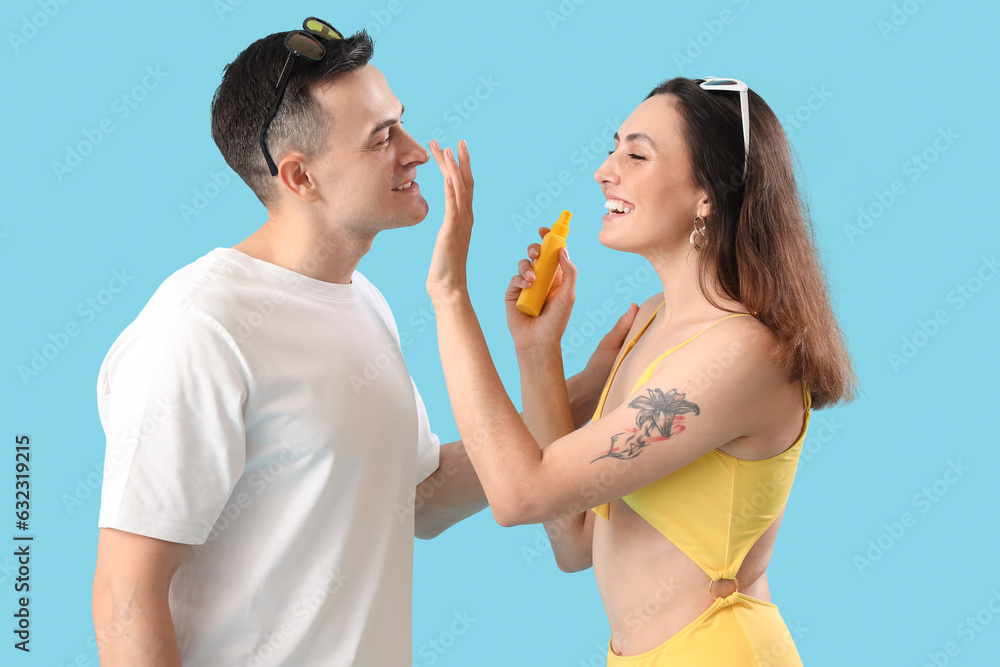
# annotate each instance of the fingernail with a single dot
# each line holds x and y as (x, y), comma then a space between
(450, 184)
(529, 275)
(465, 145)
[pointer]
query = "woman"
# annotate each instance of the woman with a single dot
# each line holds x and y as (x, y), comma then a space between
(690, 456)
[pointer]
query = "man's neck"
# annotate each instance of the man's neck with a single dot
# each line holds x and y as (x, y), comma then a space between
(322, 254)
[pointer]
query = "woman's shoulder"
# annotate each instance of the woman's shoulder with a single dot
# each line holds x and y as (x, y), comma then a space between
(727, 338)
(722, 332)
(647, 307)
(739, 330)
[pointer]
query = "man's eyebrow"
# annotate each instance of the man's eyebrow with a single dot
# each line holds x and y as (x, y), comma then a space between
(389, 122)
(638, 136)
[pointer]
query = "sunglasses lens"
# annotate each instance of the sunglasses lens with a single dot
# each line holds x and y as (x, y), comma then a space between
(305, 46)
(719, 82)
(321, 28)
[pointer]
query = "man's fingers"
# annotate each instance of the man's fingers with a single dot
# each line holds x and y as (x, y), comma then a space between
(616, 336)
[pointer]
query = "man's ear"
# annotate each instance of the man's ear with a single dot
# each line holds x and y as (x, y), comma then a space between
(296, 178)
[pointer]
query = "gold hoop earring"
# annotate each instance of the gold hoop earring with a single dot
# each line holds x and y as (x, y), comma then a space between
(699, 231)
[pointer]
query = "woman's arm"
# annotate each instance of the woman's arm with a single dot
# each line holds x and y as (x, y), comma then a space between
(609, 458)
(549, 415)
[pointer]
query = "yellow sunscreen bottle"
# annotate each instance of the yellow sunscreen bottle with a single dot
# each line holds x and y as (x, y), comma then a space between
(533, 298)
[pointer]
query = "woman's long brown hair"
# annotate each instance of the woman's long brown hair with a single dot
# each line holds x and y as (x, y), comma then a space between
(760, 242)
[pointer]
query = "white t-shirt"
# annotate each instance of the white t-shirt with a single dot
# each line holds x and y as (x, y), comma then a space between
(269, 419)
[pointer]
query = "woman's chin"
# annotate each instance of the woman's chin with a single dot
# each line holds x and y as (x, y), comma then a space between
(614, 239)
(607, 237)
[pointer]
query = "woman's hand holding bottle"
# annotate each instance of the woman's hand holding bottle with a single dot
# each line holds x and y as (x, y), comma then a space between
(546, 330)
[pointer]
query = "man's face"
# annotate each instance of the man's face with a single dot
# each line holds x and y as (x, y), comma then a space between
(363, 175)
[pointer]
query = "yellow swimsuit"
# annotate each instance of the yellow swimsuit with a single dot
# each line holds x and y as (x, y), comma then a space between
(714, 509)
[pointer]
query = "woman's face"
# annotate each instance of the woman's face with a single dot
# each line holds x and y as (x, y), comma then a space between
(651, 197)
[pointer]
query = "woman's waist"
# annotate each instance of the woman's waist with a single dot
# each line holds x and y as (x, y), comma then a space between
(653, 591)
(672, 589)
(645, 609)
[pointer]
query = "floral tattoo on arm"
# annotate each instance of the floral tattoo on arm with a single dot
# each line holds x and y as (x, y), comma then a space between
(655, 422)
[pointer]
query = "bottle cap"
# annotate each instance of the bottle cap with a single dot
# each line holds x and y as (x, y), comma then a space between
(561, 226)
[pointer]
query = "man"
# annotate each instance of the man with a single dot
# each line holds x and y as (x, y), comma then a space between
(254, 510)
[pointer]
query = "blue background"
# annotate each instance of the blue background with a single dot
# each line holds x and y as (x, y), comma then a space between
(863, 89)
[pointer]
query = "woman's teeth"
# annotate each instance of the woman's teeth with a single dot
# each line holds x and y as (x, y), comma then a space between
(617, 206)
(403, 186)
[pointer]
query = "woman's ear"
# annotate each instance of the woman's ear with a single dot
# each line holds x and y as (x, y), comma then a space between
(704, 207)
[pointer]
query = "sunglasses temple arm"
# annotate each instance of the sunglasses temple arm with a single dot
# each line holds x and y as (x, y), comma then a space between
(279, 88)
(745, 108)
(279, 92)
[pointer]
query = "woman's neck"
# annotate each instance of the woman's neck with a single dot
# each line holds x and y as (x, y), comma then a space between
(684, 300)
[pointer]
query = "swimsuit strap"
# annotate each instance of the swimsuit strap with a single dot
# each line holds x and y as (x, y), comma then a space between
(648, 372)
(614, 371)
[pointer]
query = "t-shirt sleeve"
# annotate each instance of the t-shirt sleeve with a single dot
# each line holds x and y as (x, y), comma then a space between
(171, 394)
(428, 444)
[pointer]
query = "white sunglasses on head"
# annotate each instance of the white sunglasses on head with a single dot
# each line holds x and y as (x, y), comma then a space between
(712, 83)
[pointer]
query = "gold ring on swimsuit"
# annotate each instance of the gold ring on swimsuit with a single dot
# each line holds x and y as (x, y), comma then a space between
(711, 582)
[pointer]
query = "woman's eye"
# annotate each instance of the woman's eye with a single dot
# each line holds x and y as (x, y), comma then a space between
(636, 157)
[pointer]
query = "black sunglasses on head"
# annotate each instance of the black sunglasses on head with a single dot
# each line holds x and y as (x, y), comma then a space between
(300, 44)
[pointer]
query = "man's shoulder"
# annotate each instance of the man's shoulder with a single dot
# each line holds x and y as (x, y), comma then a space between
(212, 278)
(212, 287)
(373, 297)
(196, 297)
(367, 290)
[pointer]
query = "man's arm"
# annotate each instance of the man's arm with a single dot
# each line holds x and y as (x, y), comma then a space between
(130, 604)
(453, 492)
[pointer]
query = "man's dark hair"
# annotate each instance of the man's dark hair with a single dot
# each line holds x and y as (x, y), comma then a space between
(245, 96)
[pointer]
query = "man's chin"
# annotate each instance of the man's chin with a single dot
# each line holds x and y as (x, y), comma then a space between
(415, 214)
(420, 212)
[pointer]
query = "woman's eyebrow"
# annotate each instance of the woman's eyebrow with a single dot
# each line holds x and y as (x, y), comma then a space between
(638, 136)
